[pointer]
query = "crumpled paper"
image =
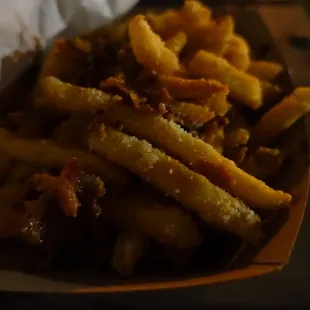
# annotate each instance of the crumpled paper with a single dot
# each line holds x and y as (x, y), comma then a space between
(23, 21)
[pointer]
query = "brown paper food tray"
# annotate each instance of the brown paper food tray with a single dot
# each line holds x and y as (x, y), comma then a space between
(282, 228)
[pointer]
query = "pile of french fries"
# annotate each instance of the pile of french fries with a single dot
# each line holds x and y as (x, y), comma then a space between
(172, 112)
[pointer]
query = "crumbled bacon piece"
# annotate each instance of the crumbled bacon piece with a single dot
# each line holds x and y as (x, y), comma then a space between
(116, 85)
(62, 187)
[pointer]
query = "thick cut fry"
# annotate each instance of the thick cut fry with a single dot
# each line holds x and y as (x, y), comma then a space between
(281, 117)
(193, 89)
(128, 250)
(192, 151)
(237, 53)
(160, 221)
(21, 172)
(195, 13)
(271, 92)
(148, 48)
(215, 36)
(71, 131)
(191, 114)
(45, 153)
(71, 98)
(217, 104)
(177, 42)
(165, 24)
(212, 37)
(193, 190)
(242, 86)
(265, 70)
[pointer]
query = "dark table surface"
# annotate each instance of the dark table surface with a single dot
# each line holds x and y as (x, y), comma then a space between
(286, 289)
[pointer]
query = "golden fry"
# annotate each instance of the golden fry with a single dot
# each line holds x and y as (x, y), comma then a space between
(161, 221)
(45, 153)
(71, 98)
(70, 131)
(193, 89)
(265, 70)
(165, 24)
(271, 92)
(128, 250)
(177, 42)
(195, 13)
(21, 172)
(212, 37)
(193, 190)
(148, 48)
(281, 116)
(193, 151)
(242, 86)
(237, 53)
(191, 114)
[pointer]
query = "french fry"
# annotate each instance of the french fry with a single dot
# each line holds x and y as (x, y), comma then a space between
(184, 89)
(21, 172)
(212, 37)
(45, 153)
(265, 70)
(271, 92)
(148, 48)
(217, 104)
(191, 114)
(242, 86)
(195, 13)
(281, 117)
(165, 24)
(128, 250)
(194, 191)
(142, 213)
(237, 53)
(177, 42)
(70, 98)
(192, 151)
(70, 131)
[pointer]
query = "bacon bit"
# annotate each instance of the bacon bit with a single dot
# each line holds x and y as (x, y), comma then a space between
(116, 85)
(62, 187)
(216, 174)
